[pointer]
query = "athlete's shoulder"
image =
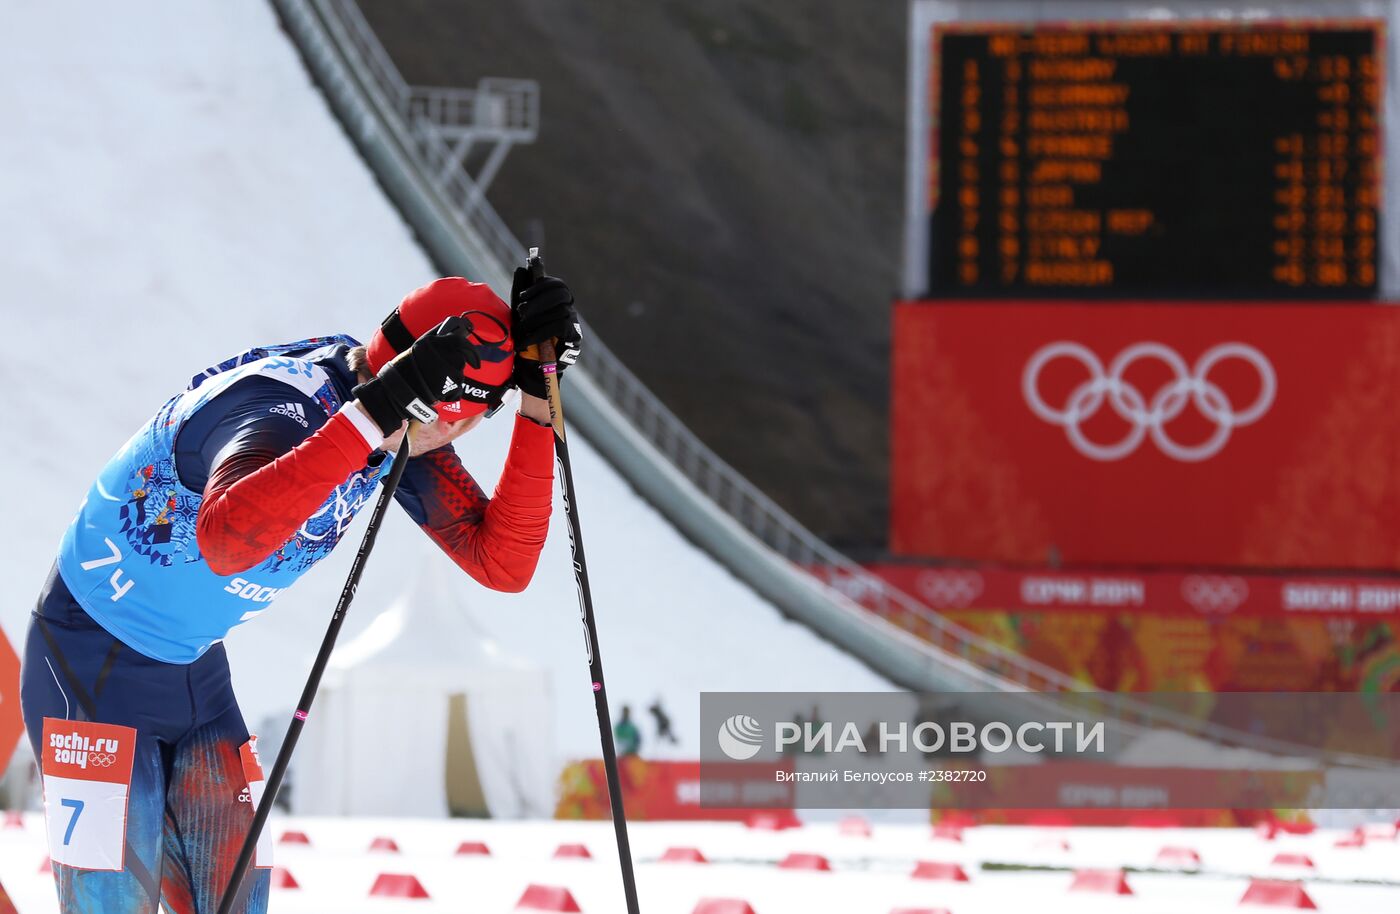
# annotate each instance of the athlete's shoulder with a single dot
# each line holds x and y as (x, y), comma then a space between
(300, 374)
(304, 364)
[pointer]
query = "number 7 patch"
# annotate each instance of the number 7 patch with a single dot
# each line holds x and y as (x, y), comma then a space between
(87, 785)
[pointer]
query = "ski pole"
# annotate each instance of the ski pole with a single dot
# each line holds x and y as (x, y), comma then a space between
(313, 682)
(548, 365)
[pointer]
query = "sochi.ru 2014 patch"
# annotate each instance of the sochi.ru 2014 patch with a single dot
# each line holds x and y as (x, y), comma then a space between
(87, 787)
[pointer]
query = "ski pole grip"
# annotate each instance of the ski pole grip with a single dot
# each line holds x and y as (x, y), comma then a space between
(540, 352)
(545, 354)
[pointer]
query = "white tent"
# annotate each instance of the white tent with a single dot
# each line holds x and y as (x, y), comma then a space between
(387, 737)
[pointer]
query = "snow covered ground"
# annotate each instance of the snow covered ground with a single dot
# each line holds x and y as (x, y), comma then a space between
(173, 190)
(868, 874)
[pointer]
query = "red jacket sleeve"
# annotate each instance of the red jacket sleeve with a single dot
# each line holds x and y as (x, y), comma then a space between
(498, 540)
(255, 500)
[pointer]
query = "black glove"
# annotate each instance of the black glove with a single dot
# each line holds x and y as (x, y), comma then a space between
(541, 310)
(430, 372)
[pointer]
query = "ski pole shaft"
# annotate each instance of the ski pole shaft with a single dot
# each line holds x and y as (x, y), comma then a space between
(313, 683)
(549, 366)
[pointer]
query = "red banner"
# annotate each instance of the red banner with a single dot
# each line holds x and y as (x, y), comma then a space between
(1172, 434)
(1157, 593)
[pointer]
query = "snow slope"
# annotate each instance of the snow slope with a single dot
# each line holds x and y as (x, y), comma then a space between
(869, 875)
(172, 190)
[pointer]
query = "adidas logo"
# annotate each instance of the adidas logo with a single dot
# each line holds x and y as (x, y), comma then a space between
(448, 385)
(291, 411)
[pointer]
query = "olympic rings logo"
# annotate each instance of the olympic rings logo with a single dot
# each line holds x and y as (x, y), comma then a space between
(1210, 594)
(950, 589)
(1146, 417)
(101, 759)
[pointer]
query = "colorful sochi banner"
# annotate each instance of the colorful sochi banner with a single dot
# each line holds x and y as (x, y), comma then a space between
(1231, 435)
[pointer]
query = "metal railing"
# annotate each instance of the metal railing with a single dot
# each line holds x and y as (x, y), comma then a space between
(432, 114)
(373, 54)
(465, 196)
(511, 106)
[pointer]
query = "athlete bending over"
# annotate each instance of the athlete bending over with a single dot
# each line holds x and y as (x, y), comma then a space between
(234, 489)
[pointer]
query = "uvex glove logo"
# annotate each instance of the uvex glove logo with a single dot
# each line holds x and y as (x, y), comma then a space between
(465, 390)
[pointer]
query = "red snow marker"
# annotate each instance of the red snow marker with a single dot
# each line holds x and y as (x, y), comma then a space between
(282, 878)
(683, 855)
(387, 845)
(1178, 856)
(1266, 830)
(854, 827)
(1108, 882)
(947, 831)
(6, 905)
(398, 885)
(294, 837)
(1277, 893)
(805, 862)
(546, 898)
(1284, 859)
(14, 819)
(473, 849)
(1356, 839)
(575, 851)
(723, 906)
(934, 869)
(46, 867)
(773, 821)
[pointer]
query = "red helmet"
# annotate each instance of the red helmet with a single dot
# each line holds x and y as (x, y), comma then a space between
(423, 309)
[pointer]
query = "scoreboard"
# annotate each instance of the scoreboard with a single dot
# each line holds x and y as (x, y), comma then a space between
(1154, 160)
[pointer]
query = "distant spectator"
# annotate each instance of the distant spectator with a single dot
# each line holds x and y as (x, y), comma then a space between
(626, 734)
(663, 723)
